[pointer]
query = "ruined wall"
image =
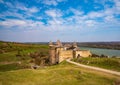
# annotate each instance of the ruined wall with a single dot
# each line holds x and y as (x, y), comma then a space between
(65, 54)
(83, 53)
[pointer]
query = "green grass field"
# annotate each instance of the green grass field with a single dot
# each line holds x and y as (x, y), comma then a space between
(107, 63)
(62, 74)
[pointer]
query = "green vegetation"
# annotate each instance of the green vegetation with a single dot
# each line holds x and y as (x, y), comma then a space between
(18, 55)
(62, 74)
(107, 63)
(9, 67)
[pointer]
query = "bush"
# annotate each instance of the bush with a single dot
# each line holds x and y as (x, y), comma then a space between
(40, 58)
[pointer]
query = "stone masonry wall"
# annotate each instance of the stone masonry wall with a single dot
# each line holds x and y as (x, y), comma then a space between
(83, 53)
(65, 54)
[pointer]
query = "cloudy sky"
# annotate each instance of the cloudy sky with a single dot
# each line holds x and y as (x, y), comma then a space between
(66, 20)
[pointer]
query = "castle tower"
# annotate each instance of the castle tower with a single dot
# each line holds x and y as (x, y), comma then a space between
(52, 57)
(50, 43)
(58, 43)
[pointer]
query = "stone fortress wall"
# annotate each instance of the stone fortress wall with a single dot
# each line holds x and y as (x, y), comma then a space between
(83, 53)
(65, 54)
(59, 52)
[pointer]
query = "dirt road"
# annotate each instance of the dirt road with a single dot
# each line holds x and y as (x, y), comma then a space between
(95, 68)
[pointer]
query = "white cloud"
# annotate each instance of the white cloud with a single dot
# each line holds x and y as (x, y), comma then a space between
(54, 13)
(21, 6)
(9, 23)
(109, 18)
(95, 19)
(55, 21)
(9, 13)
(33, 10)
(96, 14)
(56, 17)
(52, 2)
(117, 6)
(90, 23)
(117, 3)
(15, 7)
(76, 12)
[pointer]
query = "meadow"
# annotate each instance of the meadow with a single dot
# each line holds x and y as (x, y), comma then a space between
(62, 74)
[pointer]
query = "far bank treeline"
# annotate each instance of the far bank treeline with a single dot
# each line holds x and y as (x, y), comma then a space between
(107, 45)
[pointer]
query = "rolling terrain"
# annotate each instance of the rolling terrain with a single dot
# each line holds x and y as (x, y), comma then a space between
(62, 74)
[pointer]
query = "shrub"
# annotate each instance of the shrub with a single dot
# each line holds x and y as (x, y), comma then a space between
(40, 58)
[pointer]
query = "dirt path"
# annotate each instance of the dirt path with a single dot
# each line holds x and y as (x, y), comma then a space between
(95, 68)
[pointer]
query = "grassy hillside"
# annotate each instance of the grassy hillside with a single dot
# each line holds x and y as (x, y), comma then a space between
(6, 47)
(62, 74)
(11, 54)
(107, 63)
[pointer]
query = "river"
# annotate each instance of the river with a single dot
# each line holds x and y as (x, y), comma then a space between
(99, 51)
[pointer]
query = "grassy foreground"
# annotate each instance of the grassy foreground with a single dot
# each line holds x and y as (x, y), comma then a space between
(107, 63)
(62, 74)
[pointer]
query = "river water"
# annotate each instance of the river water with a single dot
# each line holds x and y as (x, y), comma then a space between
(99, 51)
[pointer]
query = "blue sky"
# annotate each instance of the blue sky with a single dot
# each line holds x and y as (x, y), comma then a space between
(66, 20)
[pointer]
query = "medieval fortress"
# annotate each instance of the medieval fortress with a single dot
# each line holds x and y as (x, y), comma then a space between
(59, 52)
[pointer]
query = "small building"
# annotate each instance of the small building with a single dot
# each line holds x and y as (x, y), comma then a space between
(59, 52)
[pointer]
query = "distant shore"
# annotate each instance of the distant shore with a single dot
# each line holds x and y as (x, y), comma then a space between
(103, 51)
(105, 45)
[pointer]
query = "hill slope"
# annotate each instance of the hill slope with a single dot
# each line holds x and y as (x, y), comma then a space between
(62, 74)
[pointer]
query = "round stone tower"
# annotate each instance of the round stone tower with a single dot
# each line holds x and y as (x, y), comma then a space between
(52, 57)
